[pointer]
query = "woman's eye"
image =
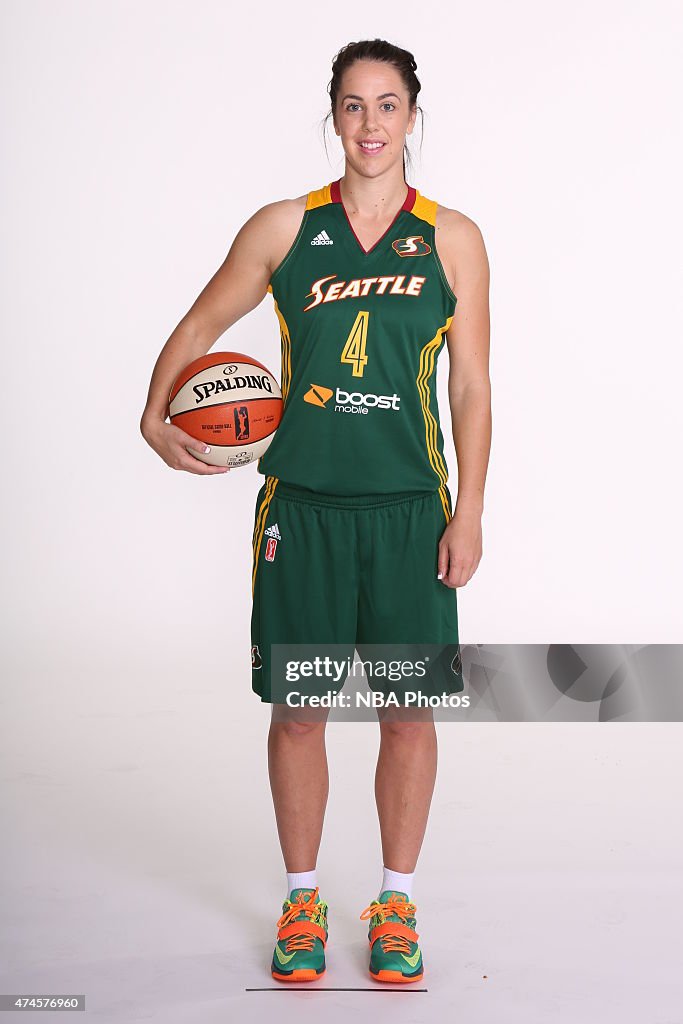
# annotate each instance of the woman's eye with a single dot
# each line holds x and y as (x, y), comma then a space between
(387, 104)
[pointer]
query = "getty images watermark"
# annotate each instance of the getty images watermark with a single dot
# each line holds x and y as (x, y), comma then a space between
(393, 682)
(355, 681)
(477, 682)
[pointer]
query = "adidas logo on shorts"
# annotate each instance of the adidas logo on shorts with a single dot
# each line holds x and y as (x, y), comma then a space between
(273, 531)
(322, 239)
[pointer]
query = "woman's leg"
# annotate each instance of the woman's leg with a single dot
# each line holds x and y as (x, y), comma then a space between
(299, 782)
(404, 783)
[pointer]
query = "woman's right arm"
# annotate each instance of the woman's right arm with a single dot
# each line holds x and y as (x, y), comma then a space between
(237, 287)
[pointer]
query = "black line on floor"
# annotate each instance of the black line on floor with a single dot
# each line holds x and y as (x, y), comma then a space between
(322, 988)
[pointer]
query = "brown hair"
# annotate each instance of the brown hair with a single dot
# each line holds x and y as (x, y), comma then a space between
(380, 50)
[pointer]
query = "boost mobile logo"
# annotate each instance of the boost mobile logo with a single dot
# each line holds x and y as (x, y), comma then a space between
(350, 401)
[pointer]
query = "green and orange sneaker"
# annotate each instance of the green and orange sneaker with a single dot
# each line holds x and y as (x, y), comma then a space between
(299, 953)
(394, 952)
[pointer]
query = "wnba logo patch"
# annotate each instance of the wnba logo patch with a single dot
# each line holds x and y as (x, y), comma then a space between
(413, 245)
(255, 657)
(273, 534)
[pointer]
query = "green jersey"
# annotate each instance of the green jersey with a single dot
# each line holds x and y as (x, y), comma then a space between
(360, 331)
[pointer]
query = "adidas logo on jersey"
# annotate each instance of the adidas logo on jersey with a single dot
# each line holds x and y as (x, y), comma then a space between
(322, 239)
(273, 531)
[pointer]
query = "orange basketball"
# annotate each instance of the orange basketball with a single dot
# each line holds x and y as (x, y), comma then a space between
(229, 401)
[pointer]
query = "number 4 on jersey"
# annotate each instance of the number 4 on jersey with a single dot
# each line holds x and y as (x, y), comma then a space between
(354, 347)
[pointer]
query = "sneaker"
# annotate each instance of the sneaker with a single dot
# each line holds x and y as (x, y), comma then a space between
(299, 953)
(394, 952)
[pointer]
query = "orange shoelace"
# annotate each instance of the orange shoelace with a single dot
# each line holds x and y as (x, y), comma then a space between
(404, 909)
(306, 903)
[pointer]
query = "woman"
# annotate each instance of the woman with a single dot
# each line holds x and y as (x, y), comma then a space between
(355, 541)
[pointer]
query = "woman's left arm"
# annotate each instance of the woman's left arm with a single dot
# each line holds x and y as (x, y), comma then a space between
(463, 256)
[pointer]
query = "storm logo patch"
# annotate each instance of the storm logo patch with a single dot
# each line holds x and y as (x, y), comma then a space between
(413, 245)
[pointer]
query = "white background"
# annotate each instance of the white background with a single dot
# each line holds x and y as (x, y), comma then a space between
(138, 137)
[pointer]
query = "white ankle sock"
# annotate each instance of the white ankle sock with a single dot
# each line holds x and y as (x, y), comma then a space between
(300, 880)
(397, 881)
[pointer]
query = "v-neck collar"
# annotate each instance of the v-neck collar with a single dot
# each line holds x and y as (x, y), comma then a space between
(335, 193)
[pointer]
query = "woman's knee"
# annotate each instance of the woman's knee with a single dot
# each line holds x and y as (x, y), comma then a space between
(296, 725)
(407, 727)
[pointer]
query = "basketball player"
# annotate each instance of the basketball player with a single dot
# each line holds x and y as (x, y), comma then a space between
(355, 538)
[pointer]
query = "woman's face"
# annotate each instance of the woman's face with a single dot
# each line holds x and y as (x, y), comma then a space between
(373, 106)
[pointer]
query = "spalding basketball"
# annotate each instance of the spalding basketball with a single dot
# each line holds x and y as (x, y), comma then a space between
(229, 401)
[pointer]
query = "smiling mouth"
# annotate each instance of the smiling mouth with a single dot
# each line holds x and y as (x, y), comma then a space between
(372, 147)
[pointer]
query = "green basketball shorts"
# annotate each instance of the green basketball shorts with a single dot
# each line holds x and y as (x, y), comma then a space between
(351, 570)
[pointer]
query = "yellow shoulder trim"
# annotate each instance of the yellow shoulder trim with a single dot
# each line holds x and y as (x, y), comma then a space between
(425, 209)
(319, 197)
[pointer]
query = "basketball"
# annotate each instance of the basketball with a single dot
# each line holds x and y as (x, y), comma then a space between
(229, 401)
